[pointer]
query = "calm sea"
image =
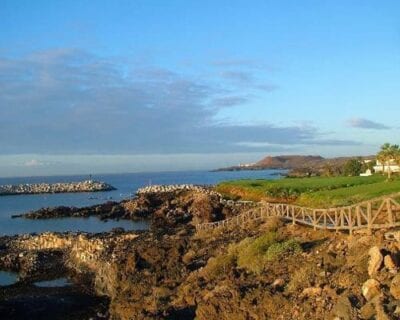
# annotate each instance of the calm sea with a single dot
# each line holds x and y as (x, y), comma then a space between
(126, 185)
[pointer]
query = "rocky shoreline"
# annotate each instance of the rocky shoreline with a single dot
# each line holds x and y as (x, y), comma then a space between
(49, 256)
(68, 187)
(174, 272)
(173, 205)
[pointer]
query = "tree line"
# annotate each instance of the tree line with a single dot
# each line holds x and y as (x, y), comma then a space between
(388, 155)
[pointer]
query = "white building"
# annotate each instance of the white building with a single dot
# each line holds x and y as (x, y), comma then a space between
(246, 165)
(366, 173)
(394, 167)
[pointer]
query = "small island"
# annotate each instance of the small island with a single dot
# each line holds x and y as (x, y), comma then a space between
(63, 187)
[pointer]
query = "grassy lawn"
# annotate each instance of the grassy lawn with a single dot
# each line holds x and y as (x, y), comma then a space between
(317, 192)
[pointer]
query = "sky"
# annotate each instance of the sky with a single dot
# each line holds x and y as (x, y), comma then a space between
(153, 85)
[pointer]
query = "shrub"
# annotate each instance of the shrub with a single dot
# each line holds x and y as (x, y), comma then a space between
(253, 255)
(272, 224)
(353, 167)
(250, 254)
(236, 248)
(218, 266)
(279, 248)
(283, 192)
(302, 278)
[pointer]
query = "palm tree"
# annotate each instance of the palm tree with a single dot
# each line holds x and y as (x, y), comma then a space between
(396, 156)
(382, 155)
(387, 154)
(394, 153)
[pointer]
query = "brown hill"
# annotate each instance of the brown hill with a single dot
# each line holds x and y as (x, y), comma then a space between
(290, 162)
(298, 164)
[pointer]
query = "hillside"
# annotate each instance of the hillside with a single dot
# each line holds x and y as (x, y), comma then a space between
(289, 162)
(312, 164)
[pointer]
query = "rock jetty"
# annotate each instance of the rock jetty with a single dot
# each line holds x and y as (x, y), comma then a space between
(67, 187)
(175, 188)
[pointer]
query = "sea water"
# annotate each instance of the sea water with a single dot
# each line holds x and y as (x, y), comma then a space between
(7, 278)
(126, 185)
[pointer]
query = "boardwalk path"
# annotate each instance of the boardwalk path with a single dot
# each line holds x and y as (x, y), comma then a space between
(383, 212)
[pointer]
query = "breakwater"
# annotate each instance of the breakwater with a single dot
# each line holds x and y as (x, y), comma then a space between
(67, 187)
(203, 189)
(174, 188)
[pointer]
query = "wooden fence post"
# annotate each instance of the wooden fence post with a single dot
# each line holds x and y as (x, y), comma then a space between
(314, 219)
(389, 211)
(369, 217)
(358, 214)
(341, 218)
(350, 222)
(293, 215)
(336, 221)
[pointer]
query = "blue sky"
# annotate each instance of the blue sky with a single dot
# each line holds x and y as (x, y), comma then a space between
(111, 86)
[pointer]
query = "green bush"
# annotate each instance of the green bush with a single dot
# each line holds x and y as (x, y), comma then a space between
(235, 248)
(279, 248)
(254, 255)
(250, 254)
(283, 192)
(272, 224)
(353, 167)
(218, 266)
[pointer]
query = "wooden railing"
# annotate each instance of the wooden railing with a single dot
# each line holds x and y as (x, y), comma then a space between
(383, 212)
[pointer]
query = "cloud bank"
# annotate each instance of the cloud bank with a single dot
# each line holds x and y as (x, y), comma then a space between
(366, 124)
(69, 101)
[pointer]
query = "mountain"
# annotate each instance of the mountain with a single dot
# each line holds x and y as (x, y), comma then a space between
(309, 163)
(289, 162)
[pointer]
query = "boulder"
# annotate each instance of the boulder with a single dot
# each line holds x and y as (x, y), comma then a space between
(368, 311)
(395, 287)
(380, 311)
(375, 260)
(343, 309)
(389, 263)
(374, 309)
(311, 292)
(371, 289)
(278, 283)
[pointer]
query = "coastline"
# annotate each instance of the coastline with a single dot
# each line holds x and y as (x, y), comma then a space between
(173, 272)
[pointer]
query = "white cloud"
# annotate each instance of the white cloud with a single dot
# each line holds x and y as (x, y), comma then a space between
(366, 124)
(33, 163)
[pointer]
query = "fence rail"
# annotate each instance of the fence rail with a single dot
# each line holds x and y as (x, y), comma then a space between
(383, 212)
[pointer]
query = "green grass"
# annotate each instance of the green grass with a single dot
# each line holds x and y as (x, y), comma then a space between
(347, 196)
(317, 192)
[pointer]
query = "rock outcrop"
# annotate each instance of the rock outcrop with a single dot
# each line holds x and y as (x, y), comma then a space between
(395, 287)
(375, 260)
(164, 206)
(371, 289)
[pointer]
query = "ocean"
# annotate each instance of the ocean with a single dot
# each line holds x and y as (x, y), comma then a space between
(126, 185)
